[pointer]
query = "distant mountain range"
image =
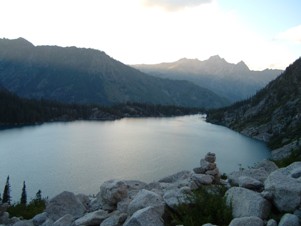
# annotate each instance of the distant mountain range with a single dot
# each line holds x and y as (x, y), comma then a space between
(87, 76)
(232, 81)
(272, 115)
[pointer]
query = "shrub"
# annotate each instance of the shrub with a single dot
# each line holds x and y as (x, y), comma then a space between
(293, 157)
(207, 205)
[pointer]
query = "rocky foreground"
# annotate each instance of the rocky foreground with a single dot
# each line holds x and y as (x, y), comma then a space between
(252, 194)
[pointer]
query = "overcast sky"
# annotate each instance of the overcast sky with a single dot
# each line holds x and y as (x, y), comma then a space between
(263, 33)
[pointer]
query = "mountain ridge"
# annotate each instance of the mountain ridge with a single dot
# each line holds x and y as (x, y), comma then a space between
(88, 76)
(232, 81)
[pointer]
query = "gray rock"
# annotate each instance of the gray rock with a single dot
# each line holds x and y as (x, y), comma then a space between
(272, 222)
(149, 216)
(24, 223)
(214, 172)
(134, 186)
(267, 195)
(144, 199)
(182, 175)
(289, 220)
(210, 157)
(123, 205)
(65, 203)
(84, 199)
(250, 183)
(259, 174)
(112, 192)
(247, 203)
(286, 190)
(66, 220)
(267, 165)
(48, 222)
(201, 179)
(176, 196)
(247, 221)
(116, 219)
(4, 218)
(199, 170)
(208, 224)
(39, 219)
(93, 218)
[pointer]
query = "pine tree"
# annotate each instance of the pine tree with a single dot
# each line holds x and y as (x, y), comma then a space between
(6, 193)
(38, 196)
(23, 200)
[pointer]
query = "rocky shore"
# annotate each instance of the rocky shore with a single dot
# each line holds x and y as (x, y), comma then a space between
(251, 193)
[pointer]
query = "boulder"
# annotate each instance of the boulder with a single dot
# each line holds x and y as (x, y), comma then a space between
(289, 220)
(180, 176)
(65, 203)
(267, 165)
(259, 174)
(250, 183)
(149, 216)
(177, 196)
(286, 189)
(201, 179)
(112, 192)
(4, 218)
(116, 219)
(144, 199)
(24, 223)
(85, 200)
(40, 219)
(247, 221)
(272, 222)
(134, 186)
(93, 218)
(247, 203)
(66, 220)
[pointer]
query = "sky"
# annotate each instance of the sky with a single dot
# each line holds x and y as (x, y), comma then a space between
(262, 33)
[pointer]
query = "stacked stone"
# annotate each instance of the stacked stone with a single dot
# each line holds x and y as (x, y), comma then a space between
(208, 167)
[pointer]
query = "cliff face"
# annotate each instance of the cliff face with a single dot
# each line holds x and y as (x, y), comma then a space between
(272, 115)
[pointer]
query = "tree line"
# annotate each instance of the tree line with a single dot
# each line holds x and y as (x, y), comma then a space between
(23, 208)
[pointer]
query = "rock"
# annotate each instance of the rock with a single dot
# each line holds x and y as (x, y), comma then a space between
(4, 218)
(201, 179)
(286, 190)
(93, 218)
(271, 222)
(267, 195)
(84, 199)
(267, 165)
(40, 219)
(199, 170)
(144, 199)
(24, 223)
(65, 203)
(48, 222)
(250, 183)
(289, 220)
(259, 174)
(123, 205)
(214, 172)
(247, 203)
(134, 186)
(116, 219)
(112, 192)
(182, 175)
(208, 224)
(149, 216)
(210, 157)
(176, 196)
(66, 220)
(247, 221)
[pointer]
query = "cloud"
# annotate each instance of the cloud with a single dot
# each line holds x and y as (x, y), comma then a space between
(174, 5)
(293, 34)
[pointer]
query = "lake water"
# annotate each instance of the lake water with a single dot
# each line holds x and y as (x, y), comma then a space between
(79, 156)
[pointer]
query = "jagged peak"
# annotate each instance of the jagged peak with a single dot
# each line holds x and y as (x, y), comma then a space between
(242, 65)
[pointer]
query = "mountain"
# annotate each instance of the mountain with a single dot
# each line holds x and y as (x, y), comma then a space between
(87, 76)
(272, 115)
(233, 81)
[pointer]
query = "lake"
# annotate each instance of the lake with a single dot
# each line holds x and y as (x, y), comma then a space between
(79, 156)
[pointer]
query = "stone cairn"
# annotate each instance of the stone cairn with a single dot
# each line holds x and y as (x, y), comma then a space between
(208, 167)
